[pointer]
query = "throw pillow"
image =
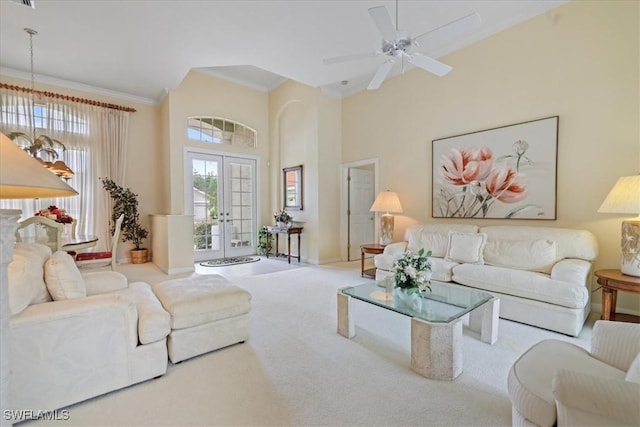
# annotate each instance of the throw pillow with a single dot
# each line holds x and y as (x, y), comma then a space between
(466, 247)
(633, 374)
(26, 276)
(530, 255)
(63, 278)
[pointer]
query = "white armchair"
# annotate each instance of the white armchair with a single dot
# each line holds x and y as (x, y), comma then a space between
(555, 382)
(98, 334)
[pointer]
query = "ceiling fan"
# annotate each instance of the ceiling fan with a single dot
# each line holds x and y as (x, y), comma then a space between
(398, 44)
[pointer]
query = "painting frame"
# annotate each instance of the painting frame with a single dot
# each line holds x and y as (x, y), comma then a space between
(506, 172)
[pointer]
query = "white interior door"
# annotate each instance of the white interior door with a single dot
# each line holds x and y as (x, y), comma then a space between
(220, 193)
(361, 220)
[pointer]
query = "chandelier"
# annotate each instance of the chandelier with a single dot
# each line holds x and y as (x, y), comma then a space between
(43, 148)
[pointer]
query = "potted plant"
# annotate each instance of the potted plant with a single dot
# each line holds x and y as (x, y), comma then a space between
(125, 202)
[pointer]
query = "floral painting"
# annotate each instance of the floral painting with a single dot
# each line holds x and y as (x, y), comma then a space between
(507, 172)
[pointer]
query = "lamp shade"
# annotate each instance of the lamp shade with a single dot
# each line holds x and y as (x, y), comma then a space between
(624, 197)
(387, 201)
(23, 177)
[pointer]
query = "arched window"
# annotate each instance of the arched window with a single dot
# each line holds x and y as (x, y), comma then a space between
(220, 131)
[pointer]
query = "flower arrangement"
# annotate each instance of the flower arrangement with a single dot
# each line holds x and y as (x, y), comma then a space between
(412, 272)
(282, 216)
(55, 213)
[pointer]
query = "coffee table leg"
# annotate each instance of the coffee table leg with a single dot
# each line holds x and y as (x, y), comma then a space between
(346, 326)
(436, 349)
(484, 320)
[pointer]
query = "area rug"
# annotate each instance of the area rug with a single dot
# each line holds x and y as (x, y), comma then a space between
(223, 262)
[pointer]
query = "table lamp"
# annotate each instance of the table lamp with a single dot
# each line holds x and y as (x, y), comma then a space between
(624, 198)
(21, 177)
(387, 202)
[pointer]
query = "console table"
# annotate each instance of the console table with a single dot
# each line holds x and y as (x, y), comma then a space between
(283, 230)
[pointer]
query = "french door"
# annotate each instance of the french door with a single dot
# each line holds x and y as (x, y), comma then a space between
(220, 193)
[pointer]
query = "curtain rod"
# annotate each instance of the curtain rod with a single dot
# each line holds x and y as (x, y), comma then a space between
(68, 98)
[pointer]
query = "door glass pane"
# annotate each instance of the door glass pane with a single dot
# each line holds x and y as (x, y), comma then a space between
(242, 203)
(206, 229)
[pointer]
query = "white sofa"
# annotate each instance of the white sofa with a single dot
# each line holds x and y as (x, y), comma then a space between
(541, 274)
(76, 336)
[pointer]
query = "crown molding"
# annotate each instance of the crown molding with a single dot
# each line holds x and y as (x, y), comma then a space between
(40, 78)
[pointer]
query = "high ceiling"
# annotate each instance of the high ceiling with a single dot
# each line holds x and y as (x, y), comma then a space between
(138, 49)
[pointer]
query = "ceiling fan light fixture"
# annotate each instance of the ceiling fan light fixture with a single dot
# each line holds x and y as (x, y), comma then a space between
(399, 44)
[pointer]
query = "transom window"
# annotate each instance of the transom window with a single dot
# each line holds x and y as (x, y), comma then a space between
(220, 131)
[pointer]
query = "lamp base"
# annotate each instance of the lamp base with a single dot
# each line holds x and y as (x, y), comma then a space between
(630, 248)
(386, 229)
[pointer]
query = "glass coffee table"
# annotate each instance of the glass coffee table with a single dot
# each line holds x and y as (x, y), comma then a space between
(436, 322)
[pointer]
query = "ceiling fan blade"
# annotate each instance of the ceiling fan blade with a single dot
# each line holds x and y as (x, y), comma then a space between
(426, 63)
(445, 34)
(382, 19)
(381, 74)
(345, 58)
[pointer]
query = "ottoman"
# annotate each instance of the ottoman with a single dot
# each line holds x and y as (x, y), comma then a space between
(207, 313)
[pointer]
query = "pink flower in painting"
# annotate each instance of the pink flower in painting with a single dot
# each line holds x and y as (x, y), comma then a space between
(461, 167)
(502, 184)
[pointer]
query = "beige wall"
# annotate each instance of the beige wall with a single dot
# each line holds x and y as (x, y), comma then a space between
(202, 95)
(579, 61)
(306, 129)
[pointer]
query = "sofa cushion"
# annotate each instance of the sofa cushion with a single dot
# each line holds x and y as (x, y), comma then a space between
(63, 278)
(571, 243)
(26, 276)
(434, 242)
(466, 247)
(441, 269)
(520, 283)
(633, 374)
(434, 237)
(533, 255)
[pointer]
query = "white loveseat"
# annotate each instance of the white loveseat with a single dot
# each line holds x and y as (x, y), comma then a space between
(541, 274)
(76, 336)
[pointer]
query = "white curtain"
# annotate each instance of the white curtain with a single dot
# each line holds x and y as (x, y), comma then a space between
(95, 139)
(110, 132)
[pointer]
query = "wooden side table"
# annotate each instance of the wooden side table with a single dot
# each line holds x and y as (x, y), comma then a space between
(369, 248)
(613, 281)
(283, 230)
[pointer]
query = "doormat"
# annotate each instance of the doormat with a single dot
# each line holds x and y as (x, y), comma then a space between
(223, 262)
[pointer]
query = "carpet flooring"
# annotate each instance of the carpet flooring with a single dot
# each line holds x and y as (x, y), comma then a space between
(296, 370)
